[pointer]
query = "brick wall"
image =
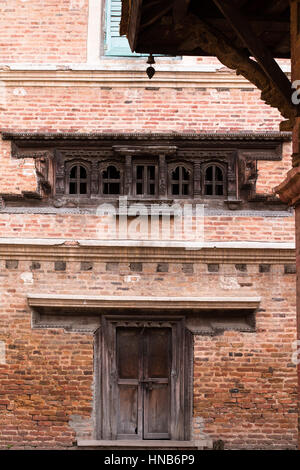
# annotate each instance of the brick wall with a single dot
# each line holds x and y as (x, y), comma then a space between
(88, 109)
(226, 227)
(43, 31)
(244, 383)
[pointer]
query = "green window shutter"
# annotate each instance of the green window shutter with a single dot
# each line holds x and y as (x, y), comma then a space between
(115, 45)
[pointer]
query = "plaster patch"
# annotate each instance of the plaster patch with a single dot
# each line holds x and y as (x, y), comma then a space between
(82, 426)
(20, 92)
(132, 278)
(199, 436)
(27, 277)
(2, 353)
(76, 4)
(229, 283)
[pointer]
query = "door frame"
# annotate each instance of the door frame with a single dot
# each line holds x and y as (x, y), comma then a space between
(106, 377)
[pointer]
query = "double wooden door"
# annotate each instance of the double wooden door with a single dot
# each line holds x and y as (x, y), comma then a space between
(143, 388)
(144, 380)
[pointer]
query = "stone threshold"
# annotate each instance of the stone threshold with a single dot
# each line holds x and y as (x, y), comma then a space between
(139, 445)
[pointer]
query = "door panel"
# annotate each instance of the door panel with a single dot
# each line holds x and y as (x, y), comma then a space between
(143, 382)
(156, 412)
(128, 410)
(128, 353)
(157, 368)
(158, 352)
(129, 393)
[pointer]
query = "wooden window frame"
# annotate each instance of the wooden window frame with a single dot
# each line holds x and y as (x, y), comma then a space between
(189, 168)
(145, 163)
(162, 182)
(103, 167)
(78, 180)
(223, 168)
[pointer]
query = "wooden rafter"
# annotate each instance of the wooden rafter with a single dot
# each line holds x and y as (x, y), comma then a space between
(257, 49)
(276, 7)
(180, 8)
(196, 34)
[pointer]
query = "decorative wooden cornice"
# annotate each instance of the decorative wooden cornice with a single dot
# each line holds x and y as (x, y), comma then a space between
(151, 252)
(170, 136)
(37, 301)
(280, 136)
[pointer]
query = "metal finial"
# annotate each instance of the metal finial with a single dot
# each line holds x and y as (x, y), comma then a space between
(150, 70)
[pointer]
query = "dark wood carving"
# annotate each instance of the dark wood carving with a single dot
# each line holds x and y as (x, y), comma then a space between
(162, 175)
(54, 155)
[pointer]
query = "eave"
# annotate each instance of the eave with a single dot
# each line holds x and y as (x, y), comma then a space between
(242, 39)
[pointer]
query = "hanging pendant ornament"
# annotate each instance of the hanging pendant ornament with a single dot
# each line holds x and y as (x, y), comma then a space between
(150, 70)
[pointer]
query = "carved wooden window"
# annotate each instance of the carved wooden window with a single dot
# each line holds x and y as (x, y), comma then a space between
(180, 181)
(111, 181)
(145, 179)
(214, 180)
(78, 180)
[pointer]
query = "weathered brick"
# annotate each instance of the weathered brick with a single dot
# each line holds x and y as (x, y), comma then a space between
(136, 267)
(290, 269)
(241, 267)
(264, 268)
(60, 265)
(11, 264)
(213, 268)
(162, 267)
(188, 268)
(112, 267)
(86, 266)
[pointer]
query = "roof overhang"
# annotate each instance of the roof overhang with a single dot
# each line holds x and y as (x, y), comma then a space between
(154, 26)
(245, 35)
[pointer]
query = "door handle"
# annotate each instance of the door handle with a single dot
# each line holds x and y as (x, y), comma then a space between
(148, 384)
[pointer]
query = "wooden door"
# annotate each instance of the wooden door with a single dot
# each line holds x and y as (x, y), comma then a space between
(143, 395)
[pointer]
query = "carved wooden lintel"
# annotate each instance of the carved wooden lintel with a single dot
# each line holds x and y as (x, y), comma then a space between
(145, 150)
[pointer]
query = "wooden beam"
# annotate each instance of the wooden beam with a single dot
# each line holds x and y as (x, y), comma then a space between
(277, 7)
(256, 48)
(180, 9)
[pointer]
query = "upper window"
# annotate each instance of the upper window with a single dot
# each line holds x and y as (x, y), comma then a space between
(111, 181)
(145, 177)
(214, 180)
(78, 180)
(180, 181)
(116, 45)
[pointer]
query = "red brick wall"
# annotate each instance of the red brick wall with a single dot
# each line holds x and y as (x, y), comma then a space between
(84, 109)
(245, 383)
(43, 31)
(216, 227)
